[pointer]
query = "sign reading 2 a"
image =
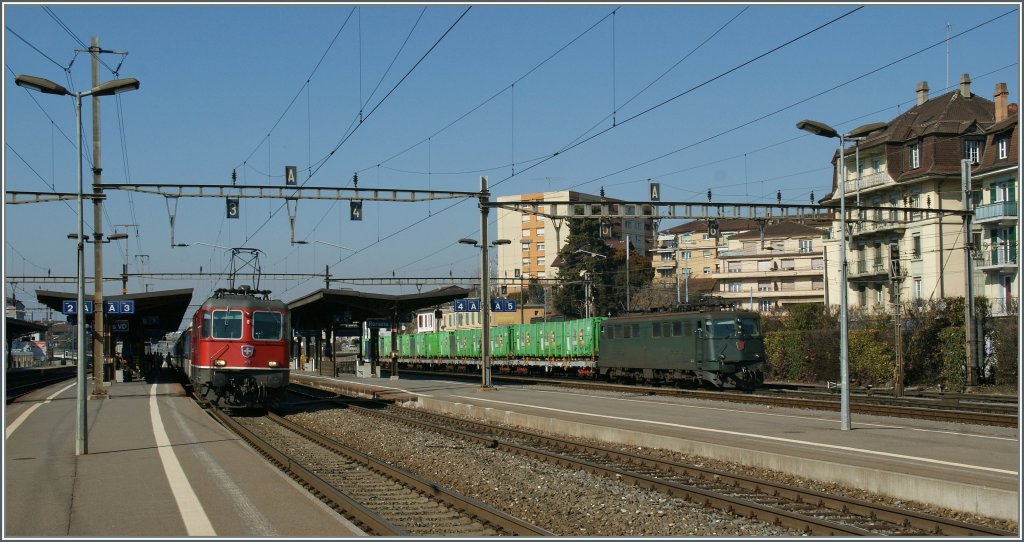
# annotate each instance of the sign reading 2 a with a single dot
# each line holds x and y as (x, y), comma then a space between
(233, 207)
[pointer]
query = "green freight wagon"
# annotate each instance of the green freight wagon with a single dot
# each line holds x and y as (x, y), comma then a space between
(467, 344)
(583, 338)
(501, 346)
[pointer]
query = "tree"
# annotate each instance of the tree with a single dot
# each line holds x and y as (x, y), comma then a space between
(585, 257)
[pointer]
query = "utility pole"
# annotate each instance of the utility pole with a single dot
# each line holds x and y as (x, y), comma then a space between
(965, 176)
(897, 317)
(627, 272)
(99, 332)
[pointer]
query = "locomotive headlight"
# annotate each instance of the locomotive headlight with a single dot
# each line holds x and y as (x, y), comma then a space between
(220, 363)
(272, 364)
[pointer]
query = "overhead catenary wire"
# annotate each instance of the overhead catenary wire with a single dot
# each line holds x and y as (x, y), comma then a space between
(368, 115)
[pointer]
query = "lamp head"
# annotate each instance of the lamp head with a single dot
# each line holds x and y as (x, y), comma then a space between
(467, 241)
(117, 236)
(40, 85)
(501, 242)
(817, 128)
(116, 86)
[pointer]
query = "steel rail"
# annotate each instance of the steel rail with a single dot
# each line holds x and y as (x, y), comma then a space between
(474, 508)
(361, 516)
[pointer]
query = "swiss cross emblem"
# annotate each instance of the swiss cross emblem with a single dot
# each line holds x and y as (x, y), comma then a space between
(248, 350)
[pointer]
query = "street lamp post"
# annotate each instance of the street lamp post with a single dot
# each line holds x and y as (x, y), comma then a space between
(105, 89)
(588, 301)
(522, 282)
(485, 303)
(824, 130)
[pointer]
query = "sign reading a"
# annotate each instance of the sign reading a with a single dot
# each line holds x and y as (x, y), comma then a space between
(655, 191)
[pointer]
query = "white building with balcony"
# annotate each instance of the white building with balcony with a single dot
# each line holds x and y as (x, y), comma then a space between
(915, 163)
(785, 265)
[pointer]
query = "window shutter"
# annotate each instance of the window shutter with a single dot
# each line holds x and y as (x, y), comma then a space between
(1012, 241)
(995, 248)
(1010, 196)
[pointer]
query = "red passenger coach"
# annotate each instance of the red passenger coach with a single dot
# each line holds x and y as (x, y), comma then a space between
(238, 349)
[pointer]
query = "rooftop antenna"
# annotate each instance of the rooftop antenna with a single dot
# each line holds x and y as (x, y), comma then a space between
(949, 27)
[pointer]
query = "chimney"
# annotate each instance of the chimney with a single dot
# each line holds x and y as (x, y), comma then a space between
(922, 92)
(965, 86)
(1001, 97)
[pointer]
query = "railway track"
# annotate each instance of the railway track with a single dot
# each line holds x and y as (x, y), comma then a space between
(811, 512)
(953, 408)
(381, 499)
(17, 388)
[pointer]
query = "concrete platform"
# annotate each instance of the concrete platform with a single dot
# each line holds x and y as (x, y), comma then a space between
(157, 466)
(973, 469)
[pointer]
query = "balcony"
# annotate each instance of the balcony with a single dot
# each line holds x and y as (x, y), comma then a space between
(1003, 212)
(880, 223)
(1004, 307)
(867, 181)
(867, 268)
(999, 260)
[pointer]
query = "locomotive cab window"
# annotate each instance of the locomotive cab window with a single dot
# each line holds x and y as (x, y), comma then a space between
(266, 326)
(206, 325)
(227, 324)
(750, 327)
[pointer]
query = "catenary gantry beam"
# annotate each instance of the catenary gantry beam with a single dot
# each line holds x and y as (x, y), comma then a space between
(689, 210)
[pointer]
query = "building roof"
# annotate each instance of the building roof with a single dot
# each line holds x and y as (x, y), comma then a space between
(950, 114)
(724, 225)
(781, 230)
(321, 309)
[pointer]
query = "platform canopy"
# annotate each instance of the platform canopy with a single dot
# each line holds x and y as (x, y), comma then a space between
(14, 328)
(156, 313)
(325, 307)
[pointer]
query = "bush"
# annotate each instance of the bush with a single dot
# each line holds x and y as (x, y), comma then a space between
(787, 355)
(954, 358)
(1004, 336)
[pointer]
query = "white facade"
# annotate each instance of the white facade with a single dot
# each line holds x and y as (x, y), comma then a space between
(537, 240)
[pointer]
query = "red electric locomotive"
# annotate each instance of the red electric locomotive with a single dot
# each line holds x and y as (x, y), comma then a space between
(239, 348)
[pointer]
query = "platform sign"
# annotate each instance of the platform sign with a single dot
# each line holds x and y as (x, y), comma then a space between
(119, 326)
(377, 323)
(503, 305)
(113, 306)
(70, 307)
(466, 305)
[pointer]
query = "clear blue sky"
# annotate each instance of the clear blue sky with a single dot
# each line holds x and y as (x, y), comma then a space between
(225, 87)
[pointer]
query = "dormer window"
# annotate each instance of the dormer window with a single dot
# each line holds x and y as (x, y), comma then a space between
(972, 151)
(1003, 146)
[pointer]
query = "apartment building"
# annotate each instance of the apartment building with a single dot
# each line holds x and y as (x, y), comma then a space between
(914, 162)
(688, 250)
(537, 240)
(782, 266)
(995, 187)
